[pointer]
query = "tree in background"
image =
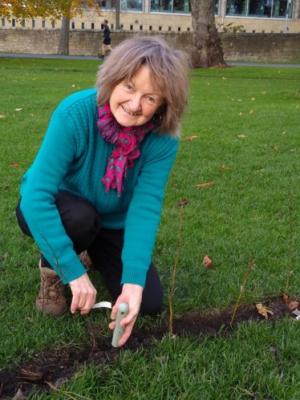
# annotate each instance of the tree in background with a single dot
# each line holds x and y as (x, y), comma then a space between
(64, 10)
(207, 46)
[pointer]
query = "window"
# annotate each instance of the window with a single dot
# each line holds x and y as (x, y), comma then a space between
(53, 24)
(173, 6)
(82, 25)
(23, 23)
(13, 23)
(106, 5)
(73, 25)
(236, 7)
(260, 8)
(33, 23)
(3, 21)
(135, 5)
(43, 23)
(176, 6)
(92, 25)
(281, 8)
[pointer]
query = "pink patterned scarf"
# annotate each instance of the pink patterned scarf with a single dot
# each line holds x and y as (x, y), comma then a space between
(126, 150)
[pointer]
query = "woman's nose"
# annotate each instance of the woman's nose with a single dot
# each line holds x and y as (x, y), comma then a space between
(136, 103)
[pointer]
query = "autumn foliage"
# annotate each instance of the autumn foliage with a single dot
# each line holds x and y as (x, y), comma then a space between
(54, 9)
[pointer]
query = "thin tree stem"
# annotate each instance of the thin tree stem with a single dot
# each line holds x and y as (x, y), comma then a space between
(174, 270)
(247, 273)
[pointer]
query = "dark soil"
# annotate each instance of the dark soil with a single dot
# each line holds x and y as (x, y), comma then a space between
(48, 370)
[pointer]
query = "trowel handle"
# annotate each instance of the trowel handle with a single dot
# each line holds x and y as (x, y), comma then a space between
(119, 330)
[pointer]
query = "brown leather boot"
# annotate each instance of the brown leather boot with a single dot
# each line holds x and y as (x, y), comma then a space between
(51, 298)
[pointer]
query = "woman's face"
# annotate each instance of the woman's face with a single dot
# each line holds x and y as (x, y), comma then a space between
(134, 102)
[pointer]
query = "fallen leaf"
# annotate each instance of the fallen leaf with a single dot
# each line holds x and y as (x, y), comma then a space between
(183, 202)
(263, 310)
(263, 92)
(225, 167)
(224, 79)
(73, 85)
(252, 98)
(18, 109)
(31, 375)
(251, 112)
(191, 138)
(14, 165)
(2, 116)
(240, 113)
(205, 185)
(207, 262)
(242, 136)
(292, 304)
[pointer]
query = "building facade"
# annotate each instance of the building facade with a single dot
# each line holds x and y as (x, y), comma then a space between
(267, 16)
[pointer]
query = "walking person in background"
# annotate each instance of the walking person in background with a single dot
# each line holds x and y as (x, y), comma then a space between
(106, 44)
(98, 180)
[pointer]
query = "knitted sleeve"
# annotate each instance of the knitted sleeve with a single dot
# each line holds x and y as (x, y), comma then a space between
(38, 190)
(144, 211)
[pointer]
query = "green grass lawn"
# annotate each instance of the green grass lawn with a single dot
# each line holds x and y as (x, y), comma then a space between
(246, 127)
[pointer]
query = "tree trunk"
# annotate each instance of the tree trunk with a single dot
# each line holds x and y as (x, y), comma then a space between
(207, 46)
(63, 47)
(118, 7)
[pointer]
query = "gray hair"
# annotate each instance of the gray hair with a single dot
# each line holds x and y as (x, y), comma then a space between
(169, 71)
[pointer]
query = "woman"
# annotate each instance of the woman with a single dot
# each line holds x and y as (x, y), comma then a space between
(98, 179)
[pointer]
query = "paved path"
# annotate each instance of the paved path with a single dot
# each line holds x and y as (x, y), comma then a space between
(59, 57)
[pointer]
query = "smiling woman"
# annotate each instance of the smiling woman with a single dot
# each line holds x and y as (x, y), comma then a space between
(103, 191)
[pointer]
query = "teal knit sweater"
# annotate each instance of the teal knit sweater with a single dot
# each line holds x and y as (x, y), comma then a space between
(73, 157)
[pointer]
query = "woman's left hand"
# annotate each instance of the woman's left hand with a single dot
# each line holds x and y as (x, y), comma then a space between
(132, 295)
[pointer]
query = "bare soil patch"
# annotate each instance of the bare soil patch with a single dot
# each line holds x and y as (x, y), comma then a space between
(49, 369)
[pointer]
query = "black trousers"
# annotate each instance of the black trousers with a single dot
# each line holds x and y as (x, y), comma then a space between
(104, 246)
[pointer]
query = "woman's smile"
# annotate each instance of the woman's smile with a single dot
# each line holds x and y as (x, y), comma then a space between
(127, 111)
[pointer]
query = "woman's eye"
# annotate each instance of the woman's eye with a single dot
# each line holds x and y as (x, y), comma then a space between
(128, 86)
(151, 99)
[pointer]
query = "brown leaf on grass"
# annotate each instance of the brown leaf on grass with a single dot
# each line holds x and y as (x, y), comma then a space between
(205, 185)
(224, 167)
(207, 262)
(18, 109)
(183, 202)
(14, 165)
(263, 310)
(191, 138)
(241, 136)
(30, 375)
(2, 116)
(292, 304)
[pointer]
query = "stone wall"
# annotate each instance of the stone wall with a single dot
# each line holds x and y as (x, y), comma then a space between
(241, 46)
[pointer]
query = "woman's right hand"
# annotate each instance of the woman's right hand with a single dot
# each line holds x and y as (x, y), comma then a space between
(84, 294)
